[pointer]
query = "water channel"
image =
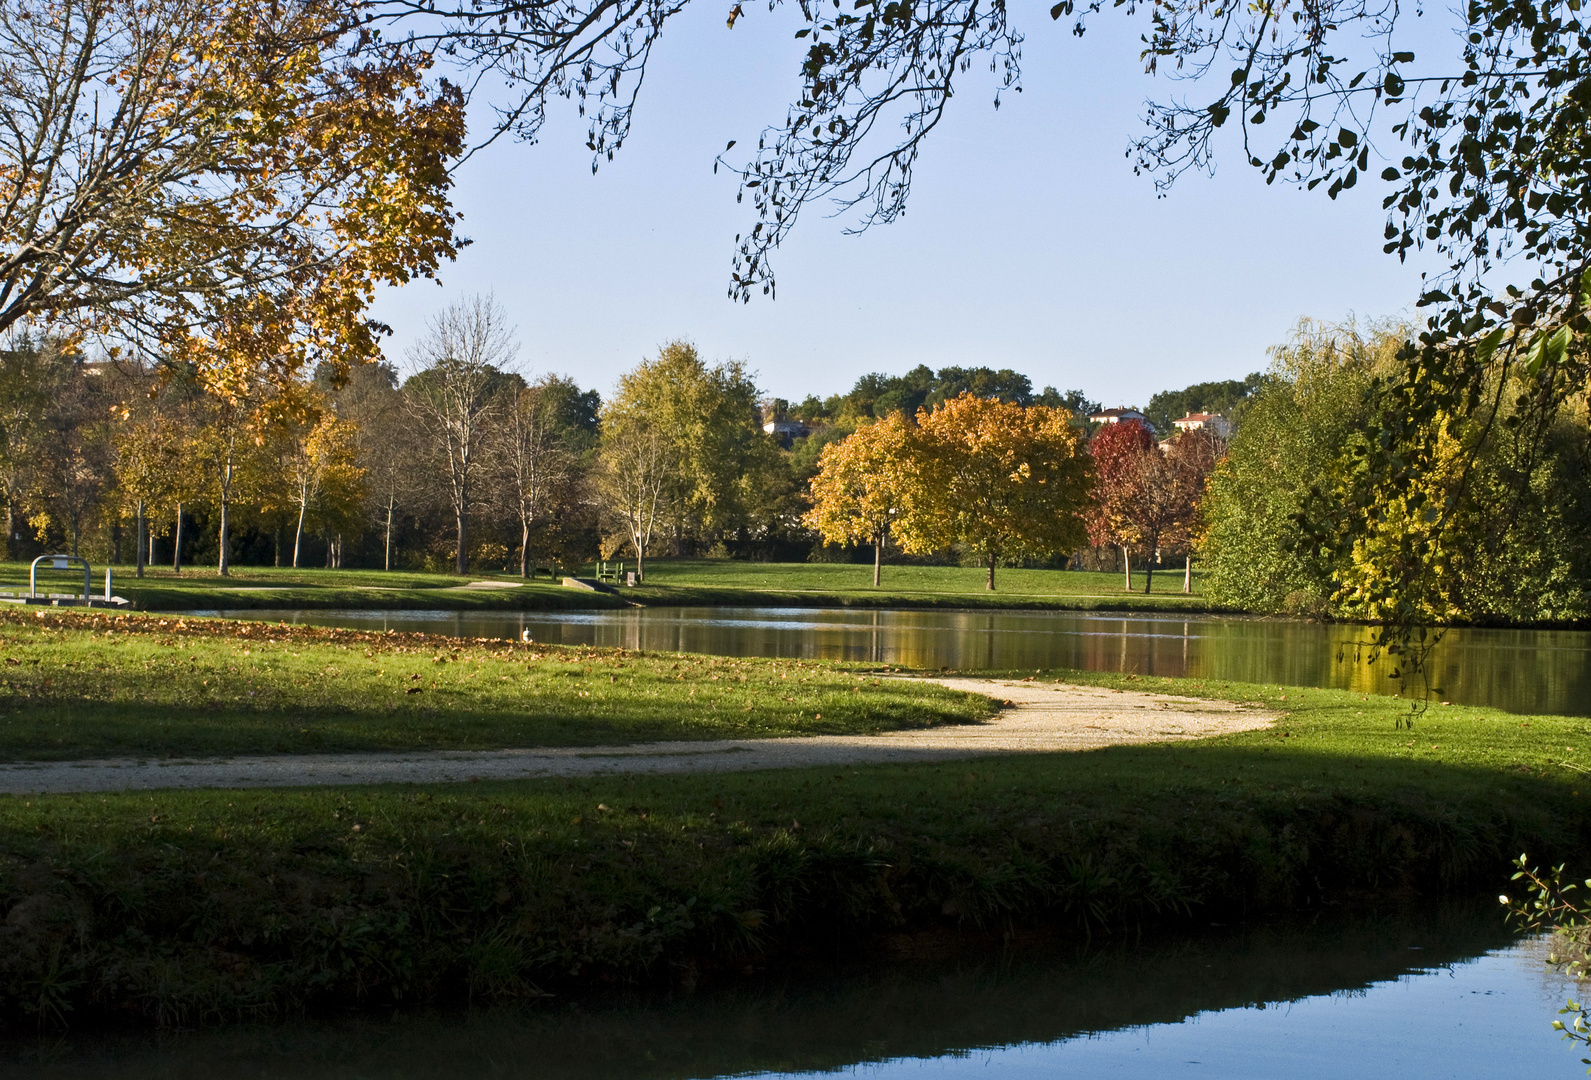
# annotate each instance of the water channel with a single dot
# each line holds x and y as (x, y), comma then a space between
(1434, 992)
(1522, 671)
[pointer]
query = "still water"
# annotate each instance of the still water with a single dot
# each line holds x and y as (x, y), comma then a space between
(1430, 993)
(1524, 671)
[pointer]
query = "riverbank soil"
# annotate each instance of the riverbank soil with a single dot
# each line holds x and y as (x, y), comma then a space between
(695, 582)
(185, 907)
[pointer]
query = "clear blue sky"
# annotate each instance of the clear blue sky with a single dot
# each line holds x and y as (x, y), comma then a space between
(1029, 243)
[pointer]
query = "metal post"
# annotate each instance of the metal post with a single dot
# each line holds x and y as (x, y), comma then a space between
(107, 584)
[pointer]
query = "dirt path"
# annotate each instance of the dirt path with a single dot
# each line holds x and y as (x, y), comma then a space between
(1042, 718)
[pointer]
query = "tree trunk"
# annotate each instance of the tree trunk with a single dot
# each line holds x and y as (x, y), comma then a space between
(1149, 572)
(461, 557)
(276, 544)
(138, 543)
(878, 559)
(176, 543)
(388, 541)
(11, 529)
(1126, 565)
(524, 548)
(298, 535)
(223, 564)
(990, 585)
(1187, 574)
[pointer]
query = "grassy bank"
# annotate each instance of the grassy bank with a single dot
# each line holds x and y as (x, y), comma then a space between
(695, 582)
(725, 582)
(79, 685)
(207, 906)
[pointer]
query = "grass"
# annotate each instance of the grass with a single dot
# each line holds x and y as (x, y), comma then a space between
(272, 587)
(191, 907)
(698, 582)
(731, 582)
(77, 685)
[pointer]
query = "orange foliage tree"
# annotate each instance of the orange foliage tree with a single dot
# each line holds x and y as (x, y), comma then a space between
(863, 484)
(997, 478)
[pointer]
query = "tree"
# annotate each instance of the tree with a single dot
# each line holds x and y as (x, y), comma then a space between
(636, 473)
(319, 458)
(371, 401)
(1191, 458)
(30, 372)
(722, 462)
(997, 478)
(862, 485)
(455, 396)
(148, 444)
(176, 166)
(1256, 554)
(1118, 451)
(71, 456)
(532, 448)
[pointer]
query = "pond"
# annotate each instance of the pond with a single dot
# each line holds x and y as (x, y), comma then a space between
(1523, 671)
(1428, 992)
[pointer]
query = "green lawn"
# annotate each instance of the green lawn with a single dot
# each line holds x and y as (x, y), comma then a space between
(701, 582)
(725, 581)
(272, 587)
(74, 685)
(196, 906)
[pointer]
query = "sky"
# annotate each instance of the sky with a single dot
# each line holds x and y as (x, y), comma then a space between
(1028, 242)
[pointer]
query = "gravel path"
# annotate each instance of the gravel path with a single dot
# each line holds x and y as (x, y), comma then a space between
(1041, 718)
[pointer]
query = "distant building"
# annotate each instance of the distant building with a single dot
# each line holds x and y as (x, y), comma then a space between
(786, 430)
(1215, 423)
(1116, 416)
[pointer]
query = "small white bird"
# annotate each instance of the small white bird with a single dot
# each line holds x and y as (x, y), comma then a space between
(524, 635)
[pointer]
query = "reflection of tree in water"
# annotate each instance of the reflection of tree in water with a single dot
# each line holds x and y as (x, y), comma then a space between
(1542, 671)
(841, 1015)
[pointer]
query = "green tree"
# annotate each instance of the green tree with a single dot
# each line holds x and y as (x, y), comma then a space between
(722, 464)
(1293, 435)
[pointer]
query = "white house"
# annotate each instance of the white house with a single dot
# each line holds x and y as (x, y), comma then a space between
(1215, 423)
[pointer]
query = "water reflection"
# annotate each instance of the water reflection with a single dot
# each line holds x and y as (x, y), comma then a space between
(1430, 992)
(1531, 671)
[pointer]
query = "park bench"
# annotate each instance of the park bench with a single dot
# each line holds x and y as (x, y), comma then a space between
(552, 571)
(610, 571)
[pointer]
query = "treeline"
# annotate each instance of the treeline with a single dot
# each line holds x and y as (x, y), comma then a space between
(1498, 528)
(468, 463)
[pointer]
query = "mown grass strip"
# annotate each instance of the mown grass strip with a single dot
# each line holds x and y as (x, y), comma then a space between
(77, 685)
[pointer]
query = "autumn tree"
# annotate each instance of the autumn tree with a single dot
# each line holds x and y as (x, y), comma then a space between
(148, 446)
(317, 461)
(862, 485)
(1001, 480)
(31, 371)
(372, 402)
(71, 457)
(1191, 460)
(176, 168)
(456, 396)
(1118, 451)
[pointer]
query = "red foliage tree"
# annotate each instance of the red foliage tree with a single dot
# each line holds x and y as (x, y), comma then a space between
(1120, 452)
